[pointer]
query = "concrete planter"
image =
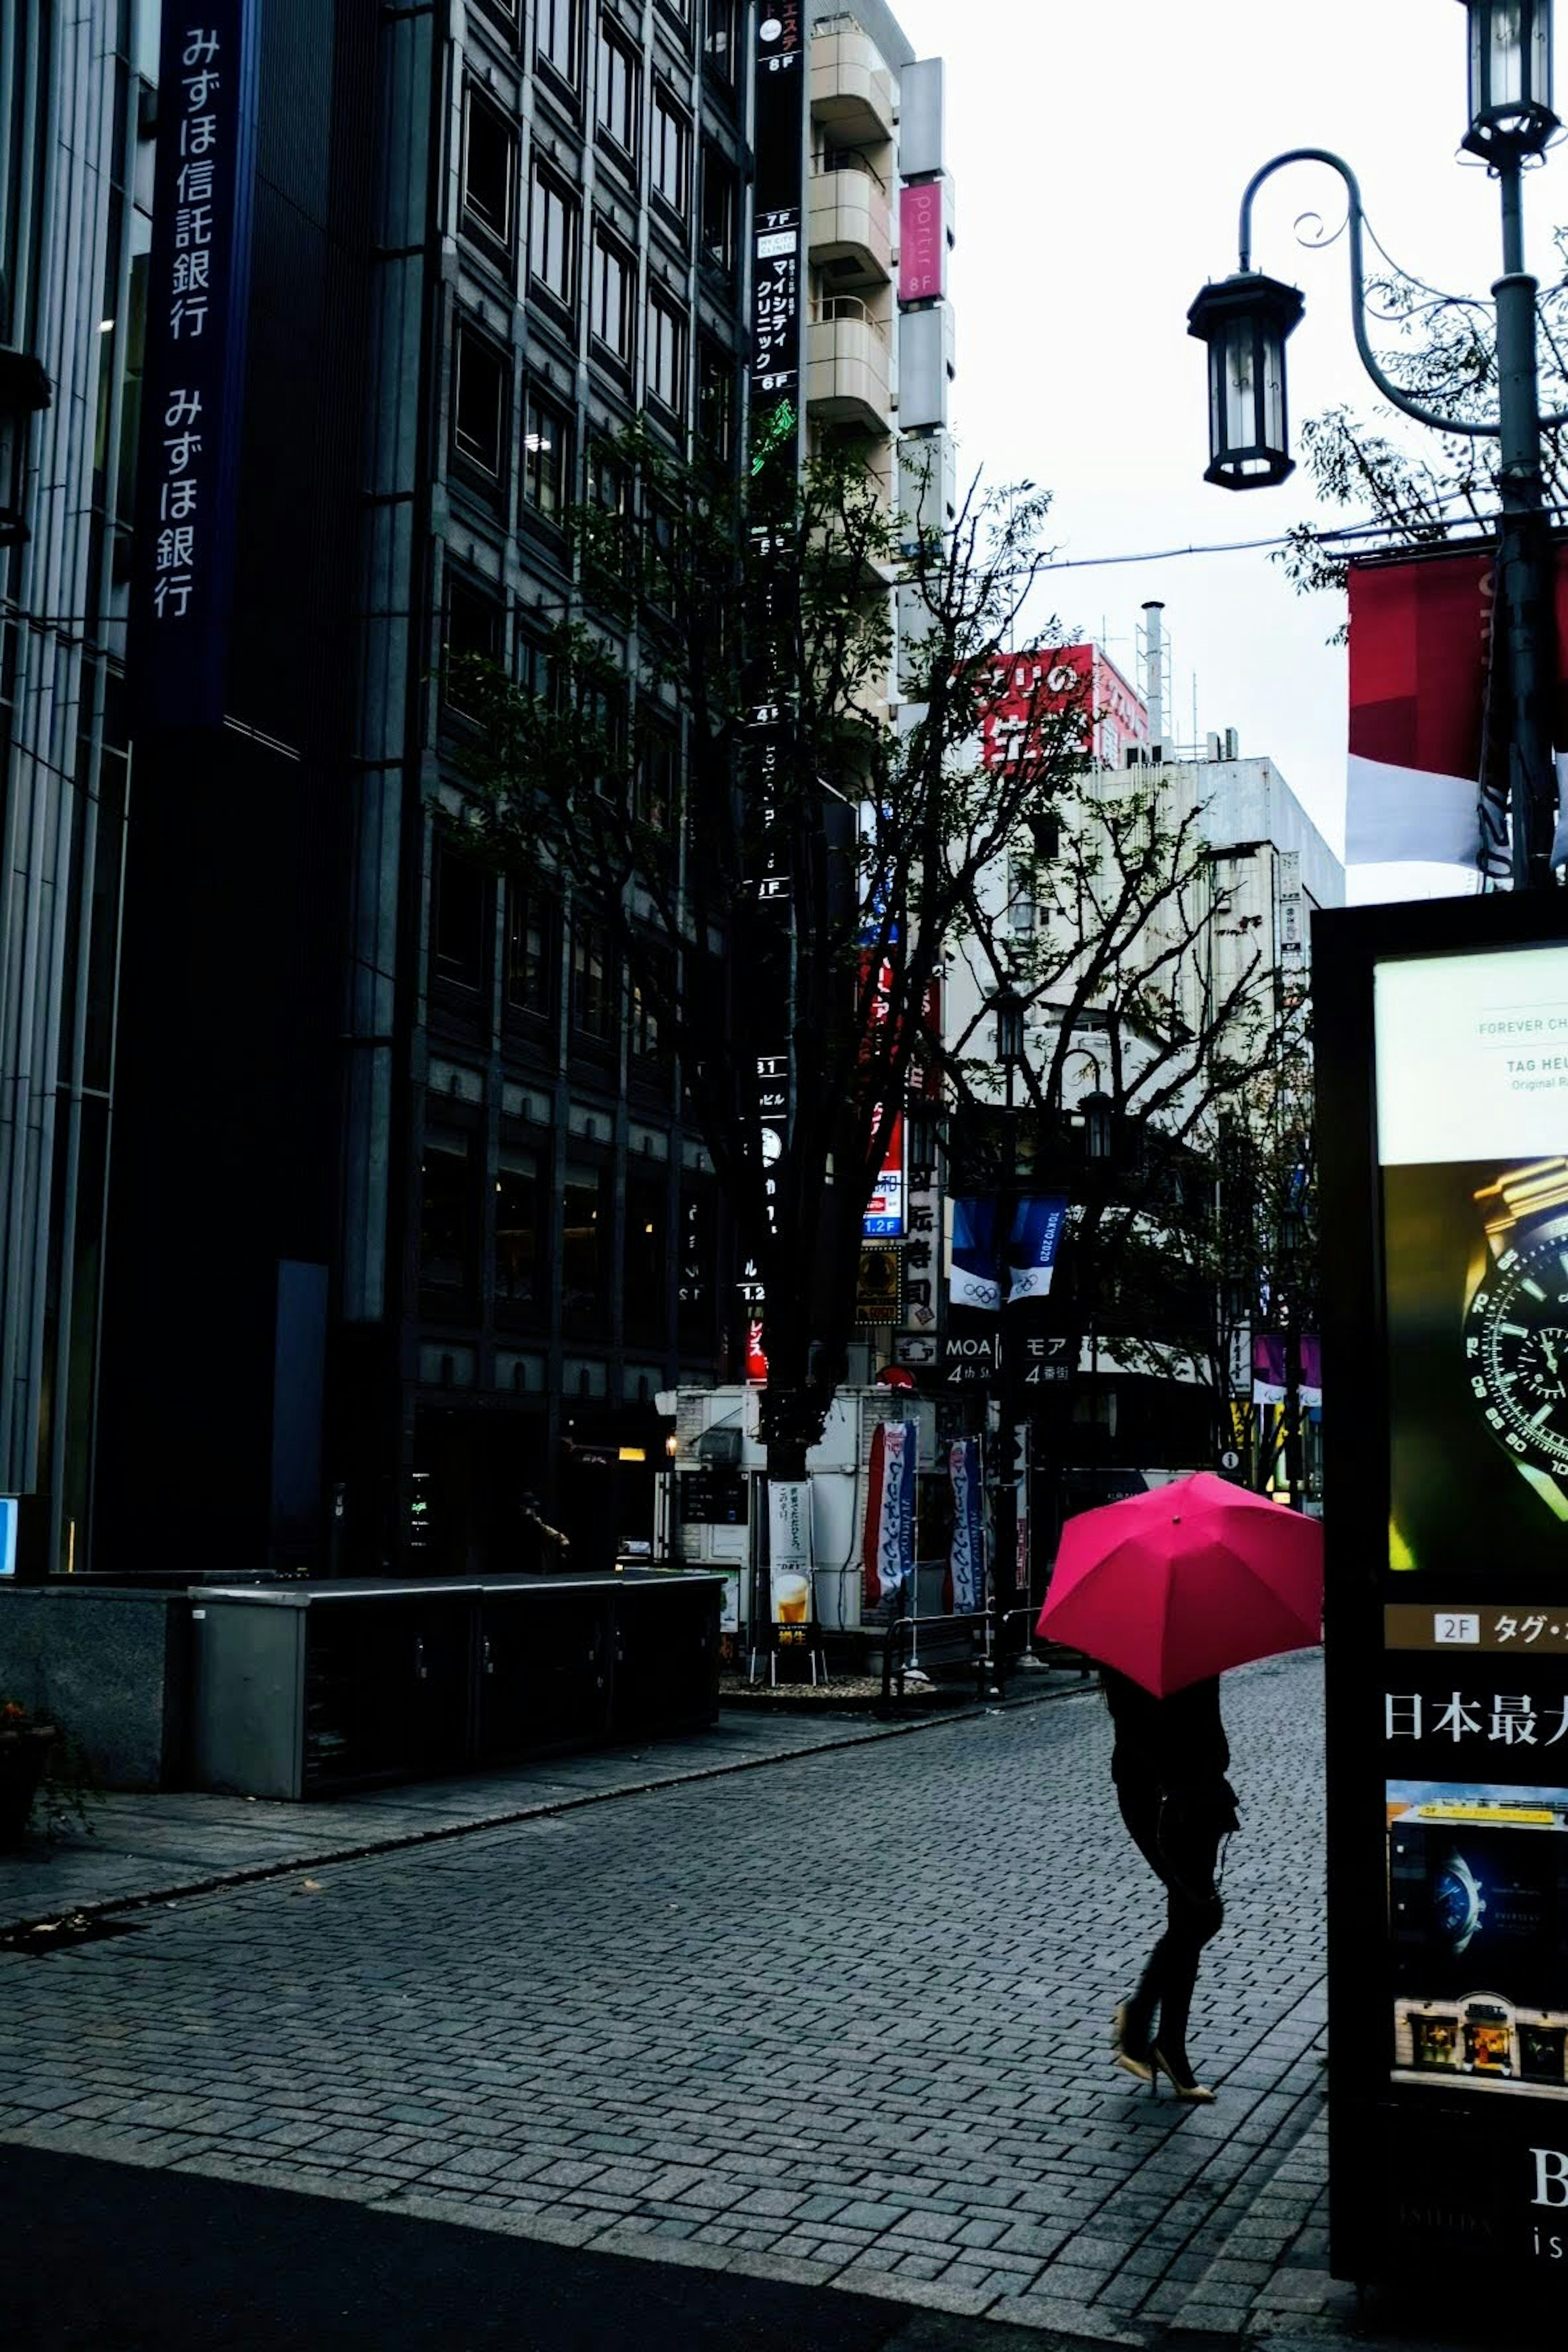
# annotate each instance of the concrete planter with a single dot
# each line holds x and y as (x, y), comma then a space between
(23, 1756)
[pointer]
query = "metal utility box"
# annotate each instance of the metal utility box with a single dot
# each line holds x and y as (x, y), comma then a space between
(311, 1690)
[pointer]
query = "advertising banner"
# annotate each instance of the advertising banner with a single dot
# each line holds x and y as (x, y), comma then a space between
(1472, 1123)
(1038, 1223)
(885, 1209)
(972, 1279)
(1421, 644)
(1271, 1369)
(922, 241)
(1442, 1044)
(198, 299)
(889, 1548)
(968, 1526)
(789, 1549)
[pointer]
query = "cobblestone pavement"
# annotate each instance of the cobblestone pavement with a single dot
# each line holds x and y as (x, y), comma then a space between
(841, 2019)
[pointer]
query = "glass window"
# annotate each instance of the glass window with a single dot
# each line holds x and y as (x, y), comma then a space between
(716, 404)
(473, 630)
(650, 1040)
(446, 1213)
(617, 91)
(603, 709)
(721, 36)
(720, 210)
(489, 163)
(536, 670)
(606, 480)
(546, 455)
(670, 162)
(584, 1239)
(479, 403)
(654, 786)
(647, 1253)
(552, 239)
(459, 920)
(610, 302)
(530, 950)
(558, 35)
(667, 354)
(593, 1010)
(519, 1196)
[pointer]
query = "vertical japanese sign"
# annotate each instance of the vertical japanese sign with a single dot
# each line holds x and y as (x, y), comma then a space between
(889, 1548)
(968, 1526)
(778, 278)
(197, 303)
(778, 327)
(1443, 1071)
(789, 1553)
(922, 241)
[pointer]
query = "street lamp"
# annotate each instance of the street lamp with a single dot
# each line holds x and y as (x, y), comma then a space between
(1097, 1110)
(1246, 320)
(1008, 1006)
(1511, 77)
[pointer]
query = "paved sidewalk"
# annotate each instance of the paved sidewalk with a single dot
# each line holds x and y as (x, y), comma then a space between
(140, 1849)
(837, 2025)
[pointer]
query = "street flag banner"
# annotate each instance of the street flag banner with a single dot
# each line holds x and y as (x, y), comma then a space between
(1268, 1369)
(971, 1279)
(888, 1549)
(1032, 1247)
(968, 1527)
(1422, 645)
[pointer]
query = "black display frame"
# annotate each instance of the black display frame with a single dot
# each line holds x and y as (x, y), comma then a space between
(1418, 2173)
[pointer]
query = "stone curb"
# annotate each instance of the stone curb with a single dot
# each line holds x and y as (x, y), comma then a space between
(403, 1841)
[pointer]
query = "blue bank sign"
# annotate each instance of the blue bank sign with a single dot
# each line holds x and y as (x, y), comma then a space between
(198, 293)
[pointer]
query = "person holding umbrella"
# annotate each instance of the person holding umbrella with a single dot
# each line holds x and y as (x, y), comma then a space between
(1169, 1765)
(1167, 1590)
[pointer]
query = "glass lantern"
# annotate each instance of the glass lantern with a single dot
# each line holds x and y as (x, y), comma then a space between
(1510, 79)
(1246, 321)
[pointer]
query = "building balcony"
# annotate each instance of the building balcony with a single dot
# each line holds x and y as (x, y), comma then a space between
(848, 375)
(852, 220)
(851, 88)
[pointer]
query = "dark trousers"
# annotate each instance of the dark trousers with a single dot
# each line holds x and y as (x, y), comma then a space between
(1180, 1846)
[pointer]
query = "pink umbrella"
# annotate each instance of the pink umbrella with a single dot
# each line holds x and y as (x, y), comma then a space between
(1176, 1585)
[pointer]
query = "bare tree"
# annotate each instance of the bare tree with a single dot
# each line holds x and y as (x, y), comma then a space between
(788, 886)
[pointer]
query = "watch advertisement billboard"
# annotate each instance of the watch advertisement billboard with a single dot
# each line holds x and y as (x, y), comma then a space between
(1472, 1122)
(1442, 1075)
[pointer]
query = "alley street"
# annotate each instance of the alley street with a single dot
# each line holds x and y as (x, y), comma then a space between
(842, 2020)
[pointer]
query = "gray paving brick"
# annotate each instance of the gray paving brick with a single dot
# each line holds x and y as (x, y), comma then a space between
(624, 2093)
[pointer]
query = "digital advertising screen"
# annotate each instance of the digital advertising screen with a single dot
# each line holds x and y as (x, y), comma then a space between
(1472, 1127)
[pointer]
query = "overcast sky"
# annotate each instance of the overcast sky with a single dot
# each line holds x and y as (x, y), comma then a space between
(1099, 150)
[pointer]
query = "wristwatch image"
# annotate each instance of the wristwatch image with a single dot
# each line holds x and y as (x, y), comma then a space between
(1457, 1903)
(1516, 1324)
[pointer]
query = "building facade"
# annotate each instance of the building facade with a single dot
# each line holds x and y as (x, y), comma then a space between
(75, 205)
(408, 1197)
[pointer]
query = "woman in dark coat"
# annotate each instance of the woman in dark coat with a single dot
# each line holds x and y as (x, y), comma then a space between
(1169, 1768)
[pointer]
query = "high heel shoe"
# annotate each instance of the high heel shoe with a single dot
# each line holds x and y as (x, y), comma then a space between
(1180, 2078)
(1135, 2064)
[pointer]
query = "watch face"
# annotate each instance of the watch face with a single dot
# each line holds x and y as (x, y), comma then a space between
(1457, 1903)
(1516, 1349)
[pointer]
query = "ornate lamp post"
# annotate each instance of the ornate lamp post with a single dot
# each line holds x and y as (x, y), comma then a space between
(1246, 320)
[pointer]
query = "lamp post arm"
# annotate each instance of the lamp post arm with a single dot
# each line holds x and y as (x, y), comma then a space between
(1358, 285)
